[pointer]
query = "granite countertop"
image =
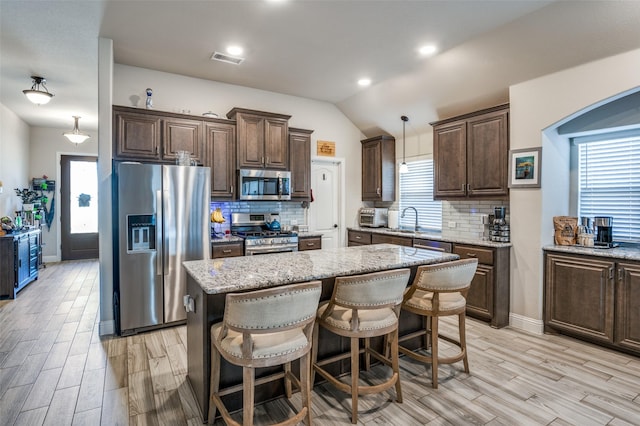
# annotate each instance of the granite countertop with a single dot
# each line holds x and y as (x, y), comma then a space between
(11, 234)
(226, 239)
(626, 253)
(268, 270)
(431, 236)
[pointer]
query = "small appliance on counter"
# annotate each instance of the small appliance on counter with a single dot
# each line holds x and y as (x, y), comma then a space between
(585, 236)
(393, 221)
(373, 217)
(604, 232)
(500, 231)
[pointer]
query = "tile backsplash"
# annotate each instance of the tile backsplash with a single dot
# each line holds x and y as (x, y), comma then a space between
(465, 216)
(291, 212)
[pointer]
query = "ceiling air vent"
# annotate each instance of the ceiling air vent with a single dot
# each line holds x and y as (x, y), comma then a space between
(217, 56)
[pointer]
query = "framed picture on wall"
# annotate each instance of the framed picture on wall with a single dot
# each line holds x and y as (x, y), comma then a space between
(524, 168)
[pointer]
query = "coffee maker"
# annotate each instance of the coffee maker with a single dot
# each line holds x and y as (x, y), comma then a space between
(604, 231)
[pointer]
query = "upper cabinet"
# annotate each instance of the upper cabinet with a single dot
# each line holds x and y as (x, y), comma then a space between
(379, 169)
(155, 136)
(471, 155)
(262, 139)
(220, 156)
(300, 161)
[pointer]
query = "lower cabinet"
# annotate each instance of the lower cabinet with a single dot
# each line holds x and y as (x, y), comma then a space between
(227, 250)
(309, 243)
(19, 255)
(593, 298)
(358, 238)
(391, 239)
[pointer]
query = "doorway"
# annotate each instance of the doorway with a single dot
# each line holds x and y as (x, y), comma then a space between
(79, 207)
(326, 213)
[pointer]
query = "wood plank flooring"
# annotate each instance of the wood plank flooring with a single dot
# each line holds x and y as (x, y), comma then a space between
(56, 370)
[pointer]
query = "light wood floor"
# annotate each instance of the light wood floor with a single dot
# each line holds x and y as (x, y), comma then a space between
(55, 369)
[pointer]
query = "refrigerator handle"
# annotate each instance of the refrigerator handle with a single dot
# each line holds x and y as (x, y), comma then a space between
(159, 233)
(165, 239)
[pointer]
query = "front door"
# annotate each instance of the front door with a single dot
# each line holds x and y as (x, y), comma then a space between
(79, 207)
(324, 211)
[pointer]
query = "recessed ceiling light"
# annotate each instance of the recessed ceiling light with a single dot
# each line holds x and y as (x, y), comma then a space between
(427, 50)
(364, 81)
(235, 50)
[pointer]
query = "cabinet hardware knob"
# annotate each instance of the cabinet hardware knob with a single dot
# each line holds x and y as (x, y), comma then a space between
(378, 191)
(358, 237)
(310, 244)
(472, 255)
(226, 251)
(231, 189)
(262, 160)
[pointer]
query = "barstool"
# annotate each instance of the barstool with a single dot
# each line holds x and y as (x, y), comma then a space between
(440, 290)
(265, 328)
(362, 307)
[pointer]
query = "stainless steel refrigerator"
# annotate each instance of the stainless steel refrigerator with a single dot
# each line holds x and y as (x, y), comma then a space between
(163, 220)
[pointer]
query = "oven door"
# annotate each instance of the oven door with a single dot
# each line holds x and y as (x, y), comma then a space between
(283, 248)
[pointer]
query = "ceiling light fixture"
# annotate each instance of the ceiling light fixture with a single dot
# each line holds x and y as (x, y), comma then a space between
(35, 95)
(76, 136)
(403, 167)
(427, 50)
(235, 50)
(364, 81)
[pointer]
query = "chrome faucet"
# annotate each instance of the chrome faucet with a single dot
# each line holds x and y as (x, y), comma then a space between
(416, 212)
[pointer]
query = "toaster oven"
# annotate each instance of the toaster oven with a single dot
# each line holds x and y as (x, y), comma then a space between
(373, 217)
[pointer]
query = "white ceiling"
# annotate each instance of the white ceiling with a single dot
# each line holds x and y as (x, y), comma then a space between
(315, 49)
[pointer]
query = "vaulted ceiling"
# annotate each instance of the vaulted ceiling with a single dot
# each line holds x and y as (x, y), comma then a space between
(315, 49)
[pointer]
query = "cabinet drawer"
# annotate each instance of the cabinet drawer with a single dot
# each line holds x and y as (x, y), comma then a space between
(391, 239)
(314, 243)
(360, 237)
(484, 255)
(433, 245)
(227, 250)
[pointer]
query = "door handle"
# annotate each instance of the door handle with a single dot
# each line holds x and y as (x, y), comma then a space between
(335, 225)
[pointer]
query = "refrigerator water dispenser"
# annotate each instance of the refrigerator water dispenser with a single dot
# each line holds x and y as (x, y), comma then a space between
(141, 233)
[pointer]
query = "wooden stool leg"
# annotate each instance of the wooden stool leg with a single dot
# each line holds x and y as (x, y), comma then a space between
(355, 355)
(314, 354)
(434, 352)
(248, 391)
(367, 357)
(214, 384)
(426, 322)
(287, 379)
(305, 371)
(395, 364)
(463, 340)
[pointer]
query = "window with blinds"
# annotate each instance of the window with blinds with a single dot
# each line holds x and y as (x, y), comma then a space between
(609, 183)
(416, 190)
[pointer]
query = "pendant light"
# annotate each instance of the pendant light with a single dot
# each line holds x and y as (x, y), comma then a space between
(403, 167)
(76, 136)
(35, 95)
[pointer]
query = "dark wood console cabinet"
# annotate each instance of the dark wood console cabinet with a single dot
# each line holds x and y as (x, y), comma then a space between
(471, 155)
(19, 254)
(594, 299)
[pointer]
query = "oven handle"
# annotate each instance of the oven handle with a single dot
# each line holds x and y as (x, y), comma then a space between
(281, 249)
(279, 187)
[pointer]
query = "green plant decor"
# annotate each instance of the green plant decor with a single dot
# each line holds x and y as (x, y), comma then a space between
(28, 196)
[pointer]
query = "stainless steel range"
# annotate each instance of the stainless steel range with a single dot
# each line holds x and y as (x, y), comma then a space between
(262, 233)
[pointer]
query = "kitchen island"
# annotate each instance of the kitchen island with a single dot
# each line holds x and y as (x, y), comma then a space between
(208, 282)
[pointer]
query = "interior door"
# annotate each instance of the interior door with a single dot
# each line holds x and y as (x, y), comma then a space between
(79, 207)
(324, 211)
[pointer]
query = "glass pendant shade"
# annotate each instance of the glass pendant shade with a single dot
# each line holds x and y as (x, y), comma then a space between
(403, 167)
(35, 95)
(76, 136)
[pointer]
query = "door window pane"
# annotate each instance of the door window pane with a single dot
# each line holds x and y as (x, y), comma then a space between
(83, 185)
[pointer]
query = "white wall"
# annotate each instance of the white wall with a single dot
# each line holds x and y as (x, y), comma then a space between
(14, 160)
(47, 145)
(535, 106)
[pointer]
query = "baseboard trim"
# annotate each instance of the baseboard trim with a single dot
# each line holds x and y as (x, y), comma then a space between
(50, 259)
(526, 324)
(107, 328)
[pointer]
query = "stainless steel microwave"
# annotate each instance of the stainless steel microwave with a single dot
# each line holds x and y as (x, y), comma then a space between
(257, 184)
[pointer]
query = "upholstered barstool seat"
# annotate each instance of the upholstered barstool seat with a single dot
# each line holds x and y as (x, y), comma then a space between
(362, 307)
(265, 328)
(439, 290)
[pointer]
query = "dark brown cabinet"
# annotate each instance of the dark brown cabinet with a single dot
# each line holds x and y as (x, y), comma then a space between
(19, 254)
(594, 299)
(309, 243)
(358, 238)
(220, 156)
(488, 297)
(300, 161)
(379, 169)
(227, 250)
(262, 139)
(471, 155)
(155, 136)
(391, 239)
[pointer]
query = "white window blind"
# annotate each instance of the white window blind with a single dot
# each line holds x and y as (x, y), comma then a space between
(416, 190)
(609, 184)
